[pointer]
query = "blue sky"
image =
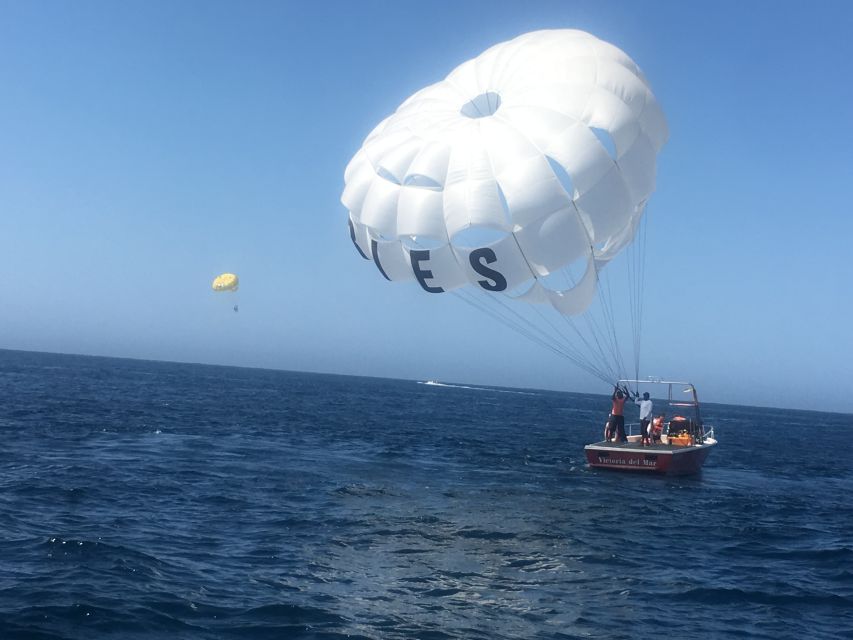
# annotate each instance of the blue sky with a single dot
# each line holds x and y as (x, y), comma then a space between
(147, 146)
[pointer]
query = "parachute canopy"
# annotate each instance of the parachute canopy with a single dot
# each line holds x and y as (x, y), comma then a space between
(523, 173)
(226, 282)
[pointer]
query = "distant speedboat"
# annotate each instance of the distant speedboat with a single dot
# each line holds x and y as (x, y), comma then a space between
(684, 444)
(433, 382)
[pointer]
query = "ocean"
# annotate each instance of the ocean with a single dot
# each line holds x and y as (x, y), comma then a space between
(159, 500)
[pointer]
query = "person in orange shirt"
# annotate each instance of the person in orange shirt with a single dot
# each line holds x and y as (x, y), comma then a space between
(617, 415)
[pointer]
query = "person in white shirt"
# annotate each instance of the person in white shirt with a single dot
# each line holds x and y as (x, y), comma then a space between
(645, 417)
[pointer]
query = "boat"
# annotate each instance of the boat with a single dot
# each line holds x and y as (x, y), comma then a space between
(434, 383)
(685, 441)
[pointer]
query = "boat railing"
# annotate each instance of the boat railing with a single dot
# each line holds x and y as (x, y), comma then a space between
(633, 429)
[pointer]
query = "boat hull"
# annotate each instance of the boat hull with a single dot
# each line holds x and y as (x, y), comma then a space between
(660, 458)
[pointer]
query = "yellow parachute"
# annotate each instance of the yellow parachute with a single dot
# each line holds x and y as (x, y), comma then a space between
(226, 282)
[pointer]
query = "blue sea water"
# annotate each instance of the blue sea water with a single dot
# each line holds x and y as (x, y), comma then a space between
(158, 500)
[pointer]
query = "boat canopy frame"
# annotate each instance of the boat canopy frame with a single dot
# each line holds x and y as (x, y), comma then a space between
(687, 387)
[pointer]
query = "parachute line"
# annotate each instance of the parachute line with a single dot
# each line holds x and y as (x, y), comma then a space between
(524, 327)
(511, 318)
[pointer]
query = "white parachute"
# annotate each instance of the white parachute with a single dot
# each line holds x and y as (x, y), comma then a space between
(521, 175)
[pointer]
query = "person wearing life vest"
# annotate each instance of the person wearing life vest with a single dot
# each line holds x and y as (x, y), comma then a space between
(617, 415)
(657, 428)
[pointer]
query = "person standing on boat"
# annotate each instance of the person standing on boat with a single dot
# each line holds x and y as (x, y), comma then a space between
(617, 415)
(645, 417)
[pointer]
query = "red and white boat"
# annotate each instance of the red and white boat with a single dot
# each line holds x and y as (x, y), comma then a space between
(685, 441)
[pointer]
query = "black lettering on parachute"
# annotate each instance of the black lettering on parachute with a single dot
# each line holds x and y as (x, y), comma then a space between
(422, 274)
(496, 281)
(374, 249)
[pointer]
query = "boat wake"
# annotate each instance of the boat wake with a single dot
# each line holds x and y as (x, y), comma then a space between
(435, 383)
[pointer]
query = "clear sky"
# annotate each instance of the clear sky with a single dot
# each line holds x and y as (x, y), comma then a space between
(147, 146)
